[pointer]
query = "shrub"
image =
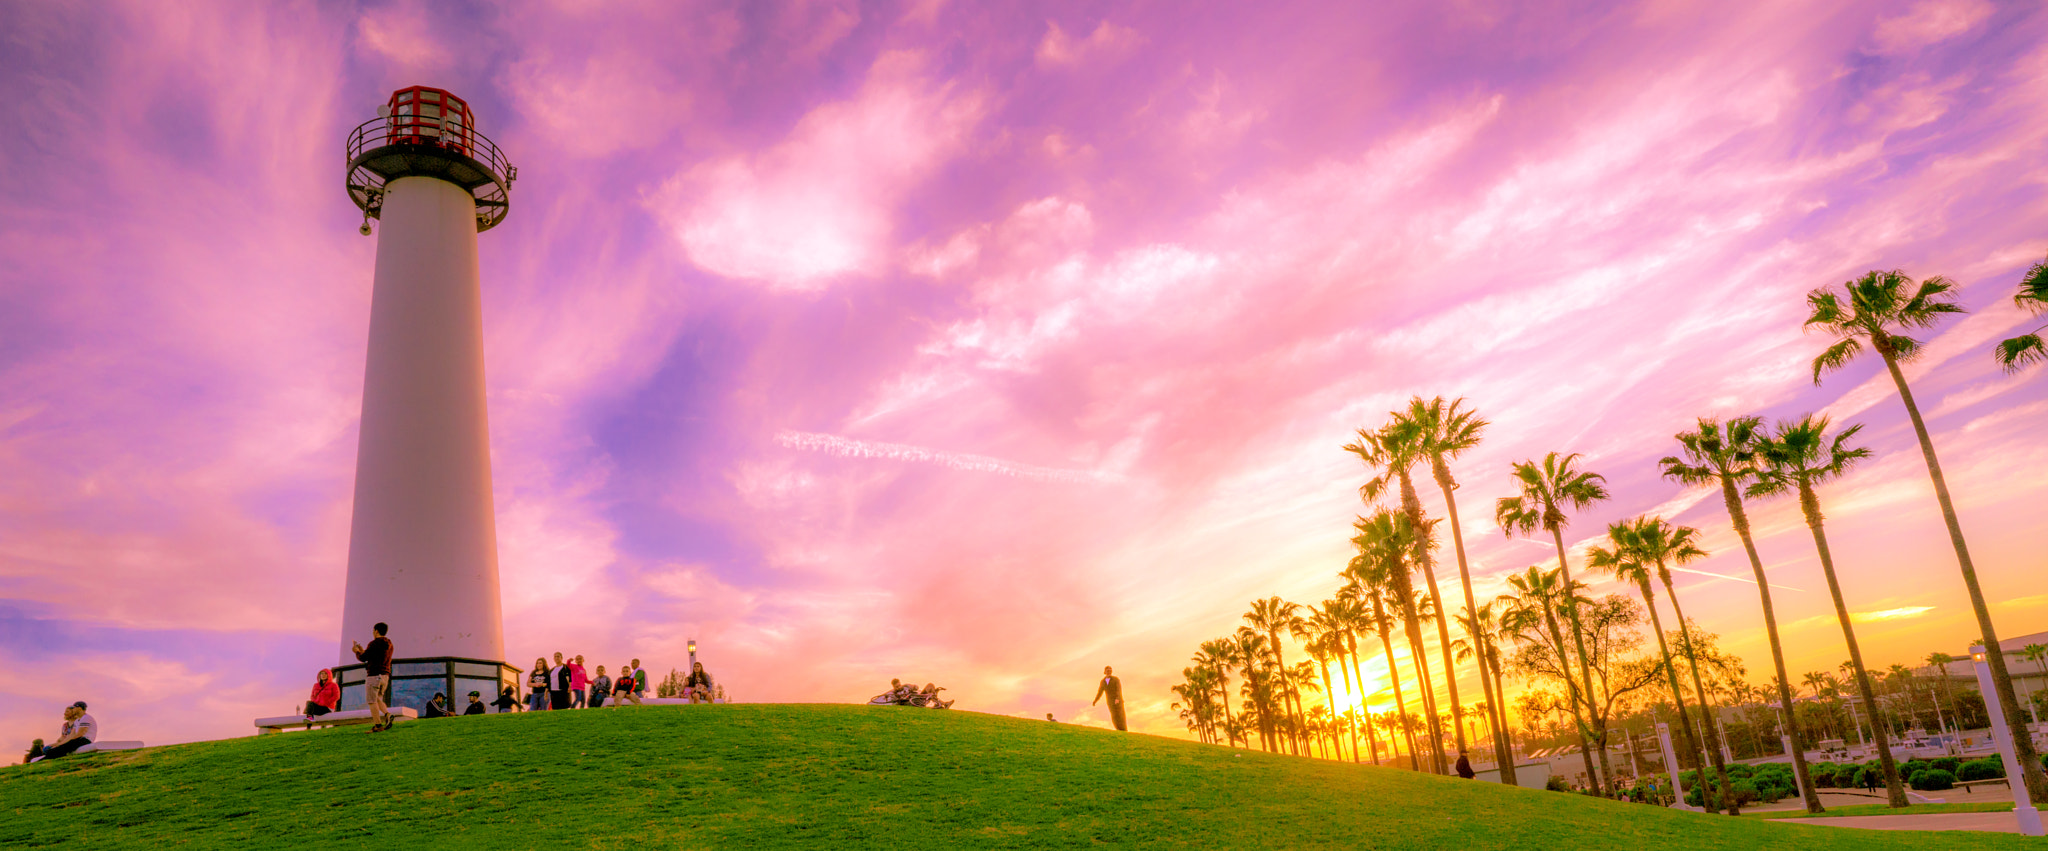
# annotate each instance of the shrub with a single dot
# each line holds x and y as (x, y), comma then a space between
(1745, 793)
(1740, 771)
(1824, 774)
(1556, 784)
(1933, 780)
(1981, 769)
(1945, 763)
(1913, 766)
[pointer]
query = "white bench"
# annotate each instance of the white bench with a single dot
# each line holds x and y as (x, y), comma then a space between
(109, 746)
(278, 724)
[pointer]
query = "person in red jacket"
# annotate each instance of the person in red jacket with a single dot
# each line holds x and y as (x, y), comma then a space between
(325, 692)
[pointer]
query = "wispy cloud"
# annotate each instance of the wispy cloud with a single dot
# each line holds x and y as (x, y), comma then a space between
(850, 448)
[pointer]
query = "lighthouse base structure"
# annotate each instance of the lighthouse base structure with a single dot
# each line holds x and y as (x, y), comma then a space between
(423, 553)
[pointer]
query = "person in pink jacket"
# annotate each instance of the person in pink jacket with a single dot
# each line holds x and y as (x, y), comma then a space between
(325, 693)
(579, 682)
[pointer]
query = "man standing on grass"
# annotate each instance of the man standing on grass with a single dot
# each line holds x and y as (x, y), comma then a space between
(1114, 689)
(376, 660)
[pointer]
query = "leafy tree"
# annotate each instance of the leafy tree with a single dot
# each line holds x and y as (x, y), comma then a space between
(1628, 561)
(1530, 616)
(1877, 310)
(1715, 454)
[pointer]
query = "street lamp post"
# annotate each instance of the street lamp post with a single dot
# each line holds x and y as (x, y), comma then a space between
(2022, 805)
(1671, 765)
(693, 654)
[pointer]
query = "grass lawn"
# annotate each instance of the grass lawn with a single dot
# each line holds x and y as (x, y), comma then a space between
(781, 776)
(1882, 810)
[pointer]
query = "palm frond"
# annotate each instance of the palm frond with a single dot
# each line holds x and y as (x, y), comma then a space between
(2020, 352)
(2033, 294)
(1836, 357)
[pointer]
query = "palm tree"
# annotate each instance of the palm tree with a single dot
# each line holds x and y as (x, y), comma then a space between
(1250, 650)
(1365, 571)
(1480, 625)
(1530, 616)
(1356, 617)
(1548, 490)
(1627, 560)
(1715, 454)
(1879, 310)
(2037, 654)
(1392, 540)
(2017, 353)
(1273, 616)
(1443, 432)
(1943, 688)
(1395, 449)
(1799, 456)
(1217, 655)
(1665, 545)
(1330, 624)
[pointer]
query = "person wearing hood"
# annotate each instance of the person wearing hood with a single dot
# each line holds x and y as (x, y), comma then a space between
(1464, 767)
(326, 692)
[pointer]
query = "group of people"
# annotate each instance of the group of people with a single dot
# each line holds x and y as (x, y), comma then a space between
(568, 685)
(79, 730)
(908, 694)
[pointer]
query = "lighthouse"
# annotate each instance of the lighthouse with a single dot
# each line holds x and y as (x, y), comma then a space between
(423, 549)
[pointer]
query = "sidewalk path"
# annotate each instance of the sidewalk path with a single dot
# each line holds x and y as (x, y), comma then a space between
(1992, 822)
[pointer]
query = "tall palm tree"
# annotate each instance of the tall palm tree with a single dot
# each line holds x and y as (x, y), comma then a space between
(1530, 616)
(1548, 490)
(1216, 655)
(1365, 568)
(1329, 624)
(1443, 432)
(1392, 540)
(1628, 561)
(1357, 616)
(1666, 545)
(1943, 688)
(1879, 308)
(2017, 353)
(1273, 616)
(1797, 457)
(1396, 449)
(1726, 455)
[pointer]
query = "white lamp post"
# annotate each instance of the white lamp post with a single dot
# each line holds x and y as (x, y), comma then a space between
(1671, 764)
(2022, 806)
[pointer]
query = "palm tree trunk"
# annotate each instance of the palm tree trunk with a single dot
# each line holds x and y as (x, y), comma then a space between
(1708, 734)
(1364, 706)
(1400, 705)
(1677, 693)
(1413, 504)
(1346, 673)
(1763, 590)
(1571, 607)
(1223, 689)
(1994, 657)
(1413, 622)
(1810, 506)
(1571, 689)
(1444, 482)
(1287, 703)
(1506, 732)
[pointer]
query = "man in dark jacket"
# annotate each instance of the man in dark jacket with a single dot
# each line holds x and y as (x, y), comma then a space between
(1465, 767)
(476, 704)
(1112, 688)
(376, 660)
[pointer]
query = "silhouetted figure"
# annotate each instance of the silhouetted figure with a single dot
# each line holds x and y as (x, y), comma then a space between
(1465, 767)
(1113, 688)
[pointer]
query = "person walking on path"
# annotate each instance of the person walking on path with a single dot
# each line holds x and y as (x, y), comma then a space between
(1112, 688)
(376, 660)
(326, 692)
(537, 686)
(559, 678)
(600, 686)
(579, 681)
(1870, 780)
(1465, 767)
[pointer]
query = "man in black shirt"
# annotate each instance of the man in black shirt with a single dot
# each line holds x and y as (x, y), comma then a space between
(436, 708)
(376, 660)
(1113, 688)
(476, 704)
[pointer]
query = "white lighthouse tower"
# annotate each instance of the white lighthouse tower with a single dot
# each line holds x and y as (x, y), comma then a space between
(423, 549)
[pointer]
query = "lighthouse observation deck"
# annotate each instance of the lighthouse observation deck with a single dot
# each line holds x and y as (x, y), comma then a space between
(427, 132)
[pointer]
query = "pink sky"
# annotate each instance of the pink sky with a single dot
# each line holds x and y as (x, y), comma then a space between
(978, 343)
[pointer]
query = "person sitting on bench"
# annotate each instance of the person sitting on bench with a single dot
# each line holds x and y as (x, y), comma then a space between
(437, 707)
(697, 686)
(325, 693)
(79, 731)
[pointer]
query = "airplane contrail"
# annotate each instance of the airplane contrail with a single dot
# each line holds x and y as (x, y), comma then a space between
(847, 447)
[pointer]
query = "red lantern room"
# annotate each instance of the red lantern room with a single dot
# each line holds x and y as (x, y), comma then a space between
(427, 132)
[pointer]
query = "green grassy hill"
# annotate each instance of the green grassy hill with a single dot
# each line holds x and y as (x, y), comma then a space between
(813, 776)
